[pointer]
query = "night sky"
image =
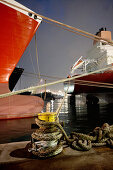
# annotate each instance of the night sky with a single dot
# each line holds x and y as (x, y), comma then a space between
(59, 49)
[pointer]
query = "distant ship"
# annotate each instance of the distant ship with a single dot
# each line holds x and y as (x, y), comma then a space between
(16, 31)
(98, 57)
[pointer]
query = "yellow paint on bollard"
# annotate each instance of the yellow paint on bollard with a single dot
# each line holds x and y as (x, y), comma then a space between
(48, 116)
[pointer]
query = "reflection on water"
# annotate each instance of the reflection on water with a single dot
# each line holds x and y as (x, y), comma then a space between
(79, 118)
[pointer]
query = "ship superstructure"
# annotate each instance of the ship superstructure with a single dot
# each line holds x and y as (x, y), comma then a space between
(98, 57)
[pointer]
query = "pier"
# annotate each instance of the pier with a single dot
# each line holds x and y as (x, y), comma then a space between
(16, 155)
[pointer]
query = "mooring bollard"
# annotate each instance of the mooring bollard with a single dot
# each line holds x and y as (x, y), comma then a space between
(46, 140)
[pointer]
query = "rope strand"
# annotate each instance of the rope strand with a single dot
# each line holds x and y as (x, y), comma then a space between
(62, 24)
(37, 57)
(52, 83)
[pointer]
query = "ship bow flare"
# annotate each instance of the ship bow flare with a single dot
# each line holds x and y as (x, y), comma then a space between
(18, 25)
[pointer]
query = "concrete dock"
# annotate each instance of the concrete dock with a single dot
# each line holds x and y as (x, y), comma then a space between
(16, 156)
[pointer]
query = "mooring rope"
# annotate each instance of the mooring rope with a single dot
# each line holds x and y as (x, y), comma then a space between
(99, 137)
(95, 84)
(80, 82)
(64, 25)
(59, 108)
(52, 83)
(97, 38)
(37, 57)
(71, 30)
(42, 75)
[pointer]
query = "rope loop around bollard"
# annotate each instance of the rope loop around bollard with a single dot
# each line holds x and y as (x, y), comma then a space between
(101, 136)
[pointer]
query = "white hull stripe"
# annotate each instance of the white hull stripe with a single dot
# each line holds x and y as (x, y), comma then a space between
(39, 19)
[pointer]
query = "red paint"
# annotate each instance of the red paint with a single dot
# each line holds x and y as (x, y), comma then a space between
(19, 106)
(16, 31)
(106, 77)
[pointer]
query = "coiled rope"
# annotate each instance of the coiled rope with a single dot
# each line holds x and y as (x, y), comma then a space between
(100, 136)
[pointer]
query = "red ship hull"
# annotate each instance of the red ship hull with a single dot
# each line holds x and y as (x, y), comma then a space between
(16, 31)
(19, 106)
(105, 77)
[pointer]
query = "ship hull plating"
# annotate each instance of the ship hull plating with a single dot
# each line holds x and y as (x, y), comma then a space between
(16, 31)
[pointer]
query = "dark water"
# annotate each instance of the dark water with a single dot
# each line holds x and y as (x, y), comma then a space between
(79, 118)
